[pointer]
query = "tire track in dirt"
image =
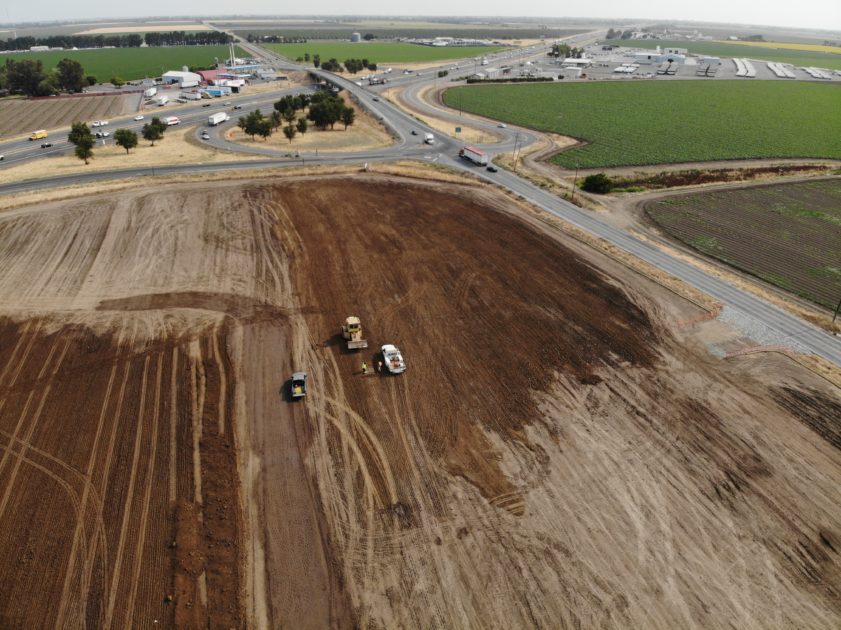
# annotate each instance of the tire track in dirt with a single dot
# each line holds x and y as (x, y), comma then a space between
(79, 534)
(119, 557)
(143, 524)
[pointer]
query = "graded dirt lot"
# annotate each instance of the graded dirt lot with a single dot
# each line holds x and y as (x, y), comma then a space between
(562, 451)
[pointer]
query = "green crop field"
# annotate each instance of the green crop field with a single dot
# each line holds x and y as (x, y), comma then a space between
(662, 122)
(786, 234)
(130, 63)
(715, 49)
(380, 52)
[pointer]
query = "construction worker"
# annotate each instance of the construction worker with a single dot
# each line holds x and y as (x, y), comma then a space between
(364, 368)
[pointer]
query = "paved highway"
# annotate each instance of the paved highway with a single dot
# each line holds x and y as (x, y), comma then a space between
(444, 151)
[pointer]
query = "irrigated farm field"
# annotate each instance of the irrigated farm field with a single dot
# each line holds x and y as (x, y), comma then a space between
(635, 123)
(22, 116)
(380, 52)
(786, 234)
(759, 50)
(131, 63)
(557, 455)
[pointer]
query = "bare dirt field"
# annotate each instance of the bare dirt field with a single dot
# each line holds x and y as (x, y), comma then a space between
(20, 117)
(562, 451)
(146, 28)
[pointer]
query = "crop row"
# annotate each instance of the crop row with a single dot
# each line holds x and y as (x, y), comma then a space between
(788, 235)
(635, 123)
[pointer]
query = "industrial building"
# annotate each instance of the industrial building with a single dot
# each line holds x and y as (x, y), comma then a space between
(181, 77)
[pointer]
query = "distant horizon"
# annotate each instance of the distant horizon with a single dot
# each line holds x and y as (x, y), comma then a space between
(10, 24)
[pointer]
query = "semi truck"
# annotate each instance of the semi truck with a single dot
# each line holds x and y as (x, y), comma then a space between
(474, 155)
(163, 100)
(217, 119)
(150, 92)
(428, 138)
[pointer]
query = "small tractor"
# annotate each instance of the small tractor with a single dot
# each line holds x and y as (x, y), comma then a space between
(352, 332)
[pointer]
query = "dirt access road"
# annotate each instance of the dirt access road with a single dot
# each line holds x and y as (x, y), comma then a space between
(561, 451)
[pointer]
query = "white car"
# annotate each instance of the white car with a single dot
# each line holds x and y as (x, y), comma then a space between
(502, 125)
(99, 123)
(393, 360)
(205, 136)
(102, 134)
(139, 117)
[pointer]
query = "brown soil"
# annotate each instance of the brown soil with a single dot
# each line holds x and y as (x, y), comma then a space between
(561, 452)
(23, 116)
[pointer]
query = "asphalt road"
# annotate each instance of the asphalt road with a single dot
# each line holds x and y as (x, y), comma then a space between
(445, 150)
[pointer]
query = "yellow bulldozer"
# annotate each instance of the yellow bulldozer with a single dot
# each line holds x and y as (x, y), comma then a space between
(352, 332)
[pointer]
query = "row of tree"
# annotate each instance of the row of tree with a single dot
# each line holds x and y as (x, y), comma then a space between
(567, 52)
(618, 34)
(130, 40)
(83, 139)
(29, 77)
(332, 65)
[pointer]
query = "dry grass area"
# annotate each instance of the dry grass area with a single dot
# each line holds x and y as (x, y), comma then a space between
(562, 451)
(20, 117)
(469, 134)
(177, 147)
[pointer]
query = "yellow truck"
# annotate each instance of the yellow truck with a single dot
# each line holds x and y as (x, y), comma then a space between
(37, 135)
(352, 332)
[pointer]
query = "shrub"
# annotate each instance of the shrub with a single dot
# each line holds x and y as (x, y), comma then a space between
(598, 183)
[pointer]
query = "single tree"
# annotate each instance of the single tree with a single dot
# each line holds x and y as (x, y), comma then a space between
(71, 75)
(125, 138)
(91, 79)
(84, 152)
(316, 60)
(288, 115)
(301, 125)
(152, 132)
(80, 136)
(117, 81)
(276, 119)
(79, 132)
(348, 115)
(289, 131)
(264, 128)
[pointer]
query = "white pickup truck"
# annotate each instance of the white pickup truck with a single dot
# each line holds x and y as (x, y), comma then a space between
(393, 360)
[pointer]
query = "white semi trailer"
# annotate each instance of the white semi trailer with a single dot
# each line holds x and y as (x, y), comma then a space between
(474, 155)
(217, 119)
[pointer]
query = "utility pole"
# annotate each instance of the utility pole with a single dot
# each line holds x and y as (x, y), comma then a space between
(574, 181)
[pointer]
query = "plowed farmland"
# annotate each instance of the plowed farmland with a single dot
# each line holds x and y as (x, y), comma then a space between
(559, 452)
(786, 234)
(21, 116)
